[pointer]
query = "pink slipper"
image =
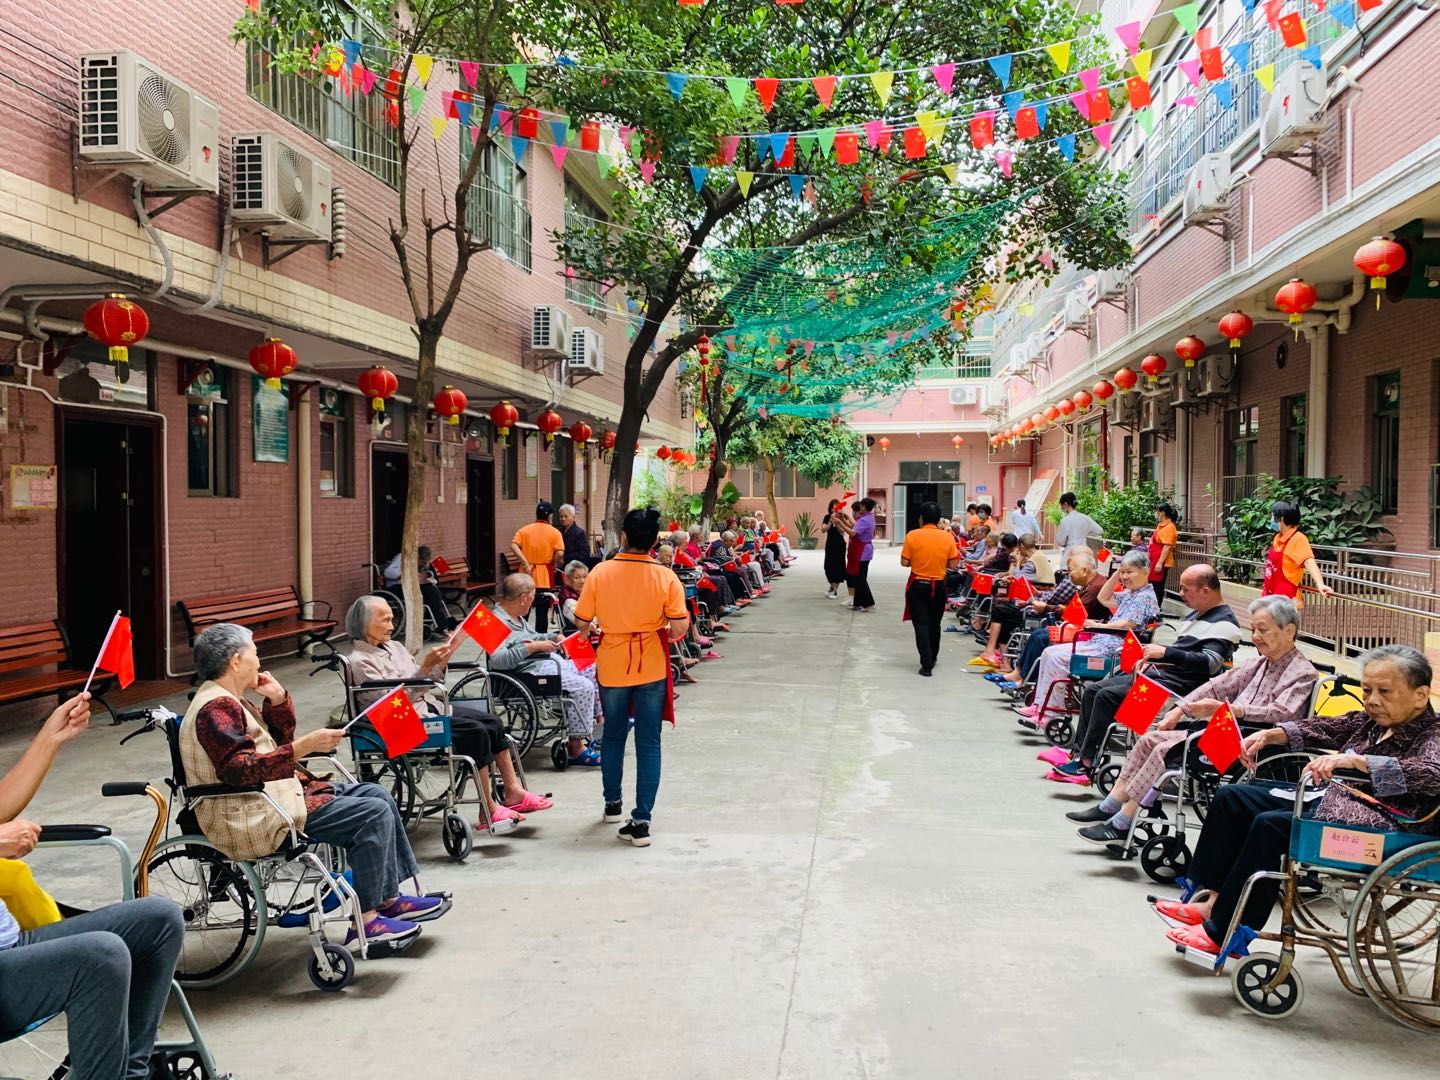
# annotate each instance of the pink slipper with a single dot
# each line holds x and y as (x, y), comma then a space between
(1029, 711)
(505, 813)
(530, 804)
(711, 655)
(1195, 937)
(1061, 778)
(1056, 755)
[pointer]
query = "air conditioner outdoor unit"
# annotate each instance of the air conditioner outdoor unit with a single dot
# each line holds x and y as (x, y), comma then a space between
(1207, 190)
(276, 185)
(1111, 284)
(1155, 415)
(158, 130)
(550, 331)
(1292, 114)
(1077, 310)
(1217, 376)
(1186, 385)
(1035, 348)
(965, 395)
(1018, 358)
(587, 351)
(1125, 410)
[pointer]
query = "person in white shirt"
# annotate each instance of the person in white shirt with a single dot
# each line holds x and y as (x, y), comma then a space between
(1075, 528)
(1022, 521)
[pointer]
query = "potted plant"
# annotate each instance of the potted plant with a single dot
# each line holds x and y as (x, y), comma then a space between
(805, 532)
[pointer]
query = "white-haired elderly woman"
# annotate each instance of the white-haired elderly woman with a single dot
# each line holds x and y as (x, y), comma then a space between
(1132, 609)
(751, 571)
(474, 732)
(786, 555)
(1268, 690)
(529, 650)
(572, 580)
(225, 739)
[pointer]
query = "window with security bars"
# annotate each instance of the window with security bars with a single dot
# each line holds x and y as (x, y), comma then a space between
(498, 212)
(1292, 414)
(582, 210)
(1242, 441)
(351, 123)
(1385, 441)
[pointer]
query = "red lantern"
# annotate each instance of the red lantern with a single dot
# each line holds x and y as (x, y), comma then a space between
(378, 383)
(1037, 421)
(1126, 379)
(883, 442)
(607, 442)
(118, 323)
(1295, 298)
(580, 432)
(1234, 326)
(1027, 425)
(549, 423)
(450, 403)
(1154, 366)
(1083, 400)
(1066, 406)
(956, 441)
(272, 360)
(1052, 414)
(1190, 349)
(663, 453)
(1378, 259)
(1103, 390)
(503, 415)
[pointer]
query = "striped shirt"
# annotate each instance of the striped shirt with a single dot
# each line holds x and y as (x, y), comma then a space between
(9, 928)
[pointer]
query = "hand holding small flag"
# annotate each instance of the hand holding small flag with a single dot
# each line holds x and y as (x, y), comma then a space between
(1220, 741)
(1020, 591)
(1141, 705)
(578, 648)
(1131, 653)
(1074, 613)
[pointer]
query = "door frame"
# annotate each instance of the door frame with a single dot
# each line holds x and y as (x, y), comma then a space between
(376, 448)
(160, 600)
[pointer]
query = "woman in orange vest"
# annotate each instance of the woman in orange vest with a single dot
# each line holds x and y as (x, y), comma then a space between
(1290, 556)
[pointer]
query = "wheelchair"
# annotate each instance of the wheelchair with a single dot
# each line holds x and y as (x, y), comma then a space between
(531, 704)
(184, 1059)
(431, 781)
(1369, 898)
(394, 597)
(229, 905)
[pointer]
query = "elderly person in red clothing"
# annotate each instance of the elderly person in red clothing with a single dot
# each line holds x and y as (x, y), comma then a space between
(1395, 741)
(224, 739)
(1273, 687)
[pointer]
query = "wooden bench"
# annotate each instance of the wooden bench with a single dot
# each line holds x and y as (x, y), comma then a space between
(43, 645)
(458, 582)
(270, 615)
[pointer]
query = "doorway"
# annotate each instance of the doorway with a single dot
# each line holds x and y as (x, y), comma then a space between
(109, 547)
(389, 485)
(480, 517)
(909, 498)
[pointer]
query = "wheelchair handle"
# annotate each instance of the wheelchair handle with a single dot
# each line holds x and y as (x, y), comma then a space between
(124, 787)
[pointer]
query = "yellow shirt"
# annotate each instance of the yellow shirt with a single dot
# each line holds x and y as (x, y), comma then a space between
(930, 550)
(540, 543)
(633, 597)
(1167, 535)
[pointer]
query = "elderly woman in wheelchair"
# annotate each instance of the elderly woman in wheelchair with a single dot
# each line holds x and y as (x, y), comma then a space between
(225, 740)
(475, 732)
(1394, 744)
(109, 970)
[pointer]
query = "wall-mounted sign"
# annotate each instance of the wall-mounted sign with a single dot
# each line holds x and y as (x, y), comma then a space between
(32, 487)
(270, 412)
(332, 402)
(532, 455)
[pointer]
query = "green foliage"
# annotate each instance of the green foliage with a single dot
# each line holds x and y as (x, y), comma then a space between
(1329, 516)
(727, 500)
(1121, 509)
(803, 525)
(672, 500)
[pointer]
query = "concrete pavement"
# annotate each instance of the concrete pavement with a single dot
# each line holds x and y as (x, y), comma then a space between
(857, 873)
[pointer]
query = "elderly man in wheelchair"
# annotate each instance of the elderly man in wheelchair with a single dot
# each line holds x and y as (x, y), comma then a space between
(225, 740)
(109, 970)
(1391, 748)
(527, 651)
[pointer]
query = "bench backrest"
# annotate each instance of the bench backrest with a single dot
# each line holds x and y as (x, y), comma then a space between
(33, 645)
(246, 609)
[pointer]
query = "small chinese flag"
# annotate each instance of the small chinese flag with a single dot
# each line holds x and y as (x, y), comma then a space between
(396, 722)
(1027, 123)
(982, 130)
(1139, 91)
(1074, 613)
(579, 649)
(1141, 705)
(1103, 554)
(1220, 741)
(1131, 652)
(984, 584)
(487, 631)
(439, 565)
(1212, 64)
(117, 653)
(731, 567)
(1020, 591)
(1292, 30)
(745, 559)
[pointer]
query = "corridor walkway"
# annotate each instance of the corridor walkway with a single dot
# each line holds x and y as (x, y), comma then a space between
(857, 873)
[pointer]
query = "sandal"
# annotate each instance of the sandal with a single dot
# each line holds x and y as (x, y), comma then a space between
(1178, 914)
(530, 804)
(589, 758)
(1195, 937)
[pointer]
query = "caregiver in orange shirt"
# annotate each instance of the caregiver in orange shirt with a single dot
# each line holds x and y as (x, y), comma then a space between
(1290, 556)
(1162, 549)
(537, 547)
(639, 606)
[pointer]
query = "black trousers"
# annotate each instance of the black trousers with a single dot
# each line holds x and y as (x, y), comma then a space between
(1009, 616)
(544, 601)
(1159, 587)
(434, 602)
(861, 583)
(1097, 711)
(1246, 829)
(475, 733)
(926, 599)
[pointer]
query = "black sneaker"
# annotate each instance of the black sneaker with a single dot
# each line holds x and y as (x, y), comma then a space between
(614, 812)
(927, 672)
(637, 832)
(1091, 815)
(1102, 834)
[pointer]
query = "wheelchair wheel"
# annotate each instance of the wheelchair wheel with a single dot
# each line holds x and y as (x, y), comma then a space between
(224, 921)
(511, 701)
(559, 755)
(1059, 731)
(1249, 980)
(179, 1065)
(341, 968)
(459, 837)
(1394, 936)
(1106, 777)
(1165, 858)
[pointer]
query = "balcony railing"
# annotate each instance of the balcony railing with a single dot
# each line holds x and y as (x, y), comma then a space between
(1235, 488)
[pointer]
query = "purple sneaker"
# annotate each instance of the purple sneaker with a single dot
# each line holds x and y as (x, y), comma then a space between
(416, 909)
(381, 929)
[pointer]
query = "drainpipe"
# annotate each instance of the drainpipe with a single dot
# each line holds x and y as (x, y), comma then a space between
(305, 552)
(1182, 459)
(1317, 399)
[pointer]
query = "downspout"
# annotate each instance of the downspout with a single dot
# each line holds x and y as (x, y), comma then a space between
(305, 547)
(1317, 411)
(1182, 459)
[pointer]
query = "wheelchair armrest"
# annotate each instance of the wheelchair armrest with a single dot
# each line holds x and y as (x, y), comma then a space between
(65, 834)
(1106, 631)
(331, 761)
(203, 791)
(465, 665)
(392, 684)
(127, 787)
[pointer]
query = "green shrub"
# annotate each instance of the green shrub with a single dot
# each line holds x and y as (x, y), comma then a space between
(1120, 509)
(803, 525)
(1328, 516)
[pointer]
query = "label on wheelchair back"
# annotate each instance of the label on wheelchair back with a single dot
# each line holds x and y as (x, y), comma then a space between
(1352, 846)
(1096, 663)
(435, 726)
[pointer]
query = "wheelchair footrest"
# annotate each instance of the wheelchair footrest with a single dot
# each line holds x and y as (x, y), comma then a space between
(382, 950)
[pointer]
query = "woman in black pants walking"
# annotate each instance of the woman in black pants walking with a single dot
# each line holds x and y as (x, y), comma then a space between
(864, 533)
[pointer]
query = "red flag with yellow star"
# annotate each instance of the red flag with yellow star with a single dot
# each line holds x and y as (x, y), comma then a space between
(1020, 591)
(1220, 741)
(1141, 705)
(1131, 652)
(1074, 613)
(488, 631)
(396, 722)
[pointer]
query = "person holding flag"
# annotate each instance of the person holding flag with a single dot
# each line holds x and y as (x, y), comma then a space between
(1267, 690)
(640, 607)
(1395, 741)
(474, 732)
(1133, 609)
(1074, 600)
(224, 739)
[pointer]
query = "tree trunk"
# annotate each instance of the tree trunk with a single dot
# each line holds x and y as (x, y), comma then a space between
(713, 479)
(617, 489)
(770, 493)
(415, 496)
